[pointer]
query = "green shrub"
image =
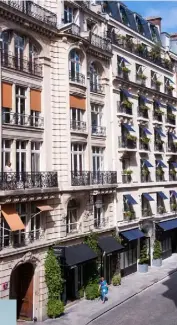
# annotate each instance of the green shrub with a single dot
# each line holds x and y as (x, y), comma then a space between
(157, 253)
(116, 280)
(91, 291)
(144, 259)
(81, 293)
(54, 308)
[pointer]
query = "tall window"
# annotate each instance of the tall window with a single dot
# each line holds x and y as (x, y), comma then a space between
(98, 210)
(32, 55)
(68, 14)
(97, 158)
(20, 105)
(19, 237)
(35, 223)
(96, 117)
(6, 152)
(20, 156)
(76, 114)
(5, 36)
(75, 65)
(19, 43)
(35, 156)
(77, 157)
(94, 78)
(72, 217)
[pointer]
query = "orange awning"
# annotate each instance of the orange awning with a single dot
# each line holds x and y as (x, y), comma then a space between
(12, 217)
(43, 206)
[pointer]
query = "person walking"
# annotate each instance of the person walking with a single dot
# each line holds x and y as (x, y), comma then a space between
(103, 289)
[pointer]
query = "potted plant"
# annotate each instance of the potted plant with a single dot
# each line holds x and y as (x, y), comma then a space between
(131, 137)
(159, 172)
(142, 76)
(158, 83)
(127, 171)
(161, 209)
(145, 172)
(173, 206)
(157, 254)
(167, 63)
(143, 260)
(170, 87)
(158, 111)
(140, 48)
(127, 103)
(125, 69)
(116, 279)
(144, 107)
(155, 52)
(145, 140)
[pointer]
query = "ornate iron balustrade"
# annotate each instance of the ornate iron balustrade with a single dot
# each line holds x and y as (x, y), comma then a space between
(22, 120)
(96, 88)
(85, 178)
(127, 144)
(77, 125)
(16, 240)
(122, 108)
(104, 44)
(99, 130)
(77, 77)
(13, 62)
(27, 180)
(33, 10)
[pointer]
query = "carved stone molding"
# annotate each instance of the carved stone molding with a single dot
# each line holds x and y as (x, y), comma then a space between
(29, 198)
(28, 257)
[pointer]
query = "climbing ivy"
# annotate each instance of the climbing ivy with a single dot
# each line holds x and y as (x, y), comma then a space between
(117, 237)
(92, 241)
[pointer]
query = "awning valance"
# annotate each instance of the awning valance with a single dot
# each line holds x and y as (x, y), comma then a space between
(159, 131)
(132, 234)
(126, 93)
(168, 225)
(147, 163)
(162, 195)
(109, 244)
(128, 127)
(130, 199)
(148, 197)
(12, 218)
(161, 164)
(146, 131)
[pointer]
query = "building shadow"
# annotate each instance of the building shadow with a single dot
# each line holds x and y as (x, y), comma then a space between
(171, 284)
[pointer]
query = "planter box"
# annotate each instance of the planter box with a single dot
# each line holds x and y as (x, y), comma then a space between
(143, 268)
(157, 262)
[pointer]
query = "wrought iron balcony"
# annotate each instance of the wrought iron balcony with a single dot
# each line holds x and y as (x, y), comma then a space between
(102, 43)
(10, 118)
(170, 119)
(84, 178)
(77, 77)
(96, 88)
(125, 143)
(15, 240)
(124, 109)
(27, 180)
(143, 113)
(20, 64)
(99, 131)
(32, 9)
(77, 125)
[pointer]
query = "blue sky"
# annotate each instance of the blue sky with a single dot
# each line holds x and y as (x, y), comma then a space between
(165, 9)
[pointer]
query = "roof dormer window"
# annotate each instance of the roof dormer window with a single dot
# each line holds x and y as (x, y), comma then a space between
(139, 25)
(124, 16)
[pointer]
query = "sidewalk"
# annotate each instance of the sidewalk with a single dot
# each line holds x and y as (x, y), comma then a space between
(83, 312)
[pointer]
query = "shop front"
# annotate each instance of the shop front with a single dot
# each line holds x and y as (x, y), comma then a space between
(166, 233)
(77, 263)
(131, 239)
(110, 257)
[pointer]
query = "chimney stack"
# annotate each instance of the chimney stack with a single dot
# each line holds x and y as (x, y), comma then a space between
(155, 21)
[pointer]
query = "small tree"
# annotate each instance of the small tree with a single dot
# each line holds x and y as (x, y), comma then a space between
(157, 253)
(54, 284)
(144, 259)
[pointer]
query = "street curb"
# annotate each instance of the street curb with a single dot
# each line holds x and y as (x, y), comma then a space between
(133, 295)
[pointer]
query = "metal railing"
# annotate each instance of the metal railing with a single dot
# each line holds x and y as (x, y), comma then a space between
(173, 177)
(103, 223)
(124, 143)
(100, 42)
(96, 88)
(77, 77)
(84, 178)
(22, 120)
(32, 9)
(21, 238)
(168, 91)
(77, 125)
(122, 108)
(74, 30)
(157, 117)
(27, 180)
(155, 85)
(170, 119)
(98, 130)
(143, 113)
(10, 61)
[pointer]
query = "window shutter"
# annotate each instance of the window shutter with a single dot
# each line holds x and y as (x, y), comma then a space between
(35, 100)
(6, 95)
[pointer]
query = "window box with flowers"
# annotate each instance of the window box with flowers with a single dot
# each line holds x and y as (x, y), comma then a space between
(131, 137)
(145, 140)
(142, 76)
(157, 82)
(127, 104)
(145, 172)
(127, 171)
(125, 69)
(158, 111)
(170, 87)
(159, 172)
(173, 206)
(144, 108)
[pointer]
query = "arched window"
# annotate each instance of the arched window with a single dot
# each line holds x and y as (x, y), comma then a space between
(72, 224)
(139, 25)
(94, 78)
(5, 36)
(19, 43)
(75, 65)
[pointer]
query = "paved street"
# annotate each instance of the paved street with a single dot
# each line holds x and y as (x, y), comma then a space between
(154, 306)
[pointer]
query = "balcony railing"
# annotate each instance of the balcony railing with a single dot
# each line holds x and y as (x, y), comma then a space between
(128, 144)
(98, 130)
(16, 119)
(27, 180)
(96, 88)
(168, 91)
(74, 30)
(160, 178)
(77, 77)
(77, 125)
(13, 62)
(170, 119)
(158, 147)
(85, 178)
(100, 42)
(15, 240)
(143, 53)
(126, 178)
(33, 10)
(143, 113)
(122, 108)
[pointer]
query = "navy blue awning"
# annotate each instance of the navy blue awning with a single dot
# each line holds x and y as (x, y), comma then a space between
(146, 131)
(148, 197)
(128, 127)
(159, 131)
(132, 234)
(124, 60)
(171, 81)
(160, 104)
(146, 100)
(130, 199)
(162, 195)
(147, 163)
(173, 135)
(168, 225)
(171, 107)
(173, 193)
(109, 244)
(126, 93)
(160, 164)
(174, 164)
